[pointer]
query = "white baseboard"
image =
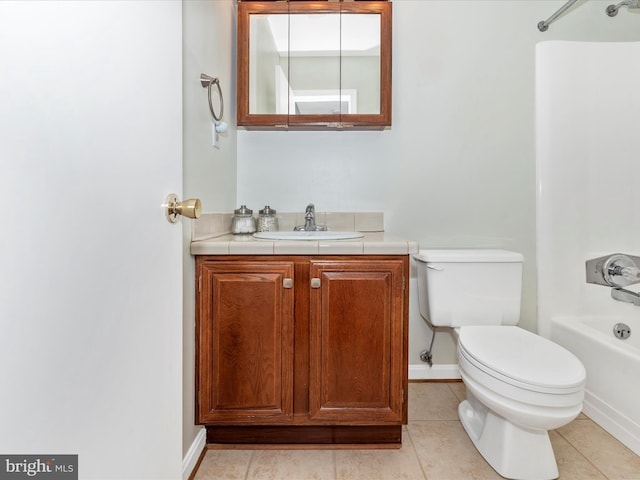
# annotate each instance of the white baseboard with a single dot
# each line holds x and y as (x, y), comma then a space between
(436, 372)
(191, 458)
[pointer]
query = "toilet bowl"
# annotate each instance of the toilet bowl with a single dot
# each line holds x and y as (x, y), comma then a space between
(519, 385)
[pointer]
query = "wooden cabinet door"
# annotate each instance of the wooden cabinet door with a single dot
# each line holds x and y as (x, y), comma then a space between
(357, 339)
(245, 342)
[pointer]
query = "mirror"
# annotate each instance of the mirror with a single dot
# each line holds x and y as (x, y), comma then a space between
(315, 63)
(323, 64)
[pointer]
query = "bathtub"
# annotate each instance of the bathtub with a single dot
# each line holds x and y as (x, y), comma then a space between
(612, 397)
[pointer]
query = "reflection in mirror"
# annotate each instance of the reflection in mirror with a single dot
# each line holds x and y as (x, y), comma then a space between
(314, 63)
(317, 102)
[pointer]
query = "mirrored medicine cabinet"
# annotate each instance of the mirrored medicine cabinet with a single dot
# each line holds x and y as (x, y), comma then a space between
(314, 64)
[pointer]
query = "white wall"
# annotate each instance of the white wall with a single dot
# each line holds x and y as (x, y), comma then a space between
(209, 173)
(587, 108)
(457, 168)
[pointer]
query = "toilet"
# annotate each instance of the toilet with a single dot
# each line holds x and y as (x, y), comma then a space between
(519, 385)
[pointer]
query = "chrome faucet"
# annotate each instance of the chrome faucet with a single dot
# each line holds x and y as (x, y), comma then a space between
(310, 221)
(624, 295)
(616, 271)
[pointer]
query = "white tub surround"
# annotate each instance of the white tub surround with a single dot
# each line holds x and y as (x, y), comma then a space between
(212, 236)
(587, 169)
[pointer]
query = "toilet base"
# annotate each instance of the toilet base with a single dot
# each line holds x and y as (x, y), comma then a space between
(514, 452)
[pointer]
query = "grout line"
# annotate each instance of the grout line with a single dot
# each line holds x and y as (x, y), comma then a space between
(335, 465)
(415, 453)
(246, 474)
(455, 394)
(587, 459)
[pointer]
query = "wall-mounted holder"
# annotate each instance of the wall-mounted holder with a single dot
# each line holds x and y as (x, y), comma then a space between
(207, 81)
(218, 125)
(617, 270)
(543, 26)
(612, 10)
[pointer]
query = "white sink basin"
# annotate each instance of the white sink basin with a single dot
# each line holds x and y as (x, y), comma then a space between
(301, 235)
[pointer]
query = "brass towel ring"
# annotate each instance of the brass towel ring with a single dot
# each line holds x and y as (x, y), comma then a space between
(206, 82)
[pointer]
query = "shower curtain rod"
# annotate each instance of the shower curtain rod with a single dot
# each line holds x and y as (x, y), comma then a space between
(543, 26)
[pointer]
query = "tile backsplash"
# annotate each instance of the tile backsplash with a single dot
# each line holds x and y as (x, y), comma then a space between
(211, 225)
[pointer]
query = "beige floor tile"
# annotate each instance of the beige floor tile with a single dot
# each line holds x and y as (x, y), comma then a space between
(292, 464)
(445, 452)
(400, 464)
(458, 390)
(571, 464)
(224, 465)
(435, 447)
(606, 453)
(432, 401)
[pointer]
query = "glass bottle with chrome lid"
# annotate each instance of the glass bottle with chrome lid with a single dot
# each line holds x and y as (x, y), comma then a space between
(267, 220)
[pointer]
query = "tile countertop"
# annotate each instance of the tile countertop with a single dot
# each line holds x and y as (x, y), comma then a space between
(373, 243)
(211, 235)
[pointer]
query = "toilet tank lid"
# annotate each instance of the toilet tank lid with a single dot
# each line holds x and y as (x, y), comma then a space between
(462, 255)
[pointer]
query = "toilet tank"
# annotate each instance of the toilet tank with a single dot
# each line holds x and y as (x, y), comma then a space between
(469, 287)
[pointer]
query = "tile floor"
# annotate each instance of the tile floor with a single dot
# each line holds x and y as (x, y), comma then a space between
(434, 447)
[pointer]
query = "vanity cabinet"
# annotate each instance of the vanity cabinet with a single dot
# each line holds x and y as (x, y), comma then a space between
(302, 349)
(314, 64)
(245, 340)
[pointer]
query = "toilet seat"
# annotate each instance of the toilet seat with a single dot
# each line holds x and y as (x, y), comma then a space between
(521, 359)
(526, 379)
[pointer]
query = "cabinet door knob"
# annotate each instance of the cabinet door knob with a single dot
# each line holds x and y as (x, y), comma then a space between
(287, 283)
(315, 283)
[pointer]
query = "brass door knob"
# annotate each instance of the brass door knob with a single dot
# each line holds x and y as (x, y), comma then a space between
(190, 208)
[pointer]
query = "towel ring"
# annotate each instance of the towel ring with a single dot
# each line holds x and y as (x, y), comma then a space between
(206, 82)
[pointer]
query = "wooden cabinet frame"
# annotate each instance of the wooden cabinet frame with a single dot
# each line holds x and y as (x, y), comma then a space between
(310, 121)
(309, 398)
